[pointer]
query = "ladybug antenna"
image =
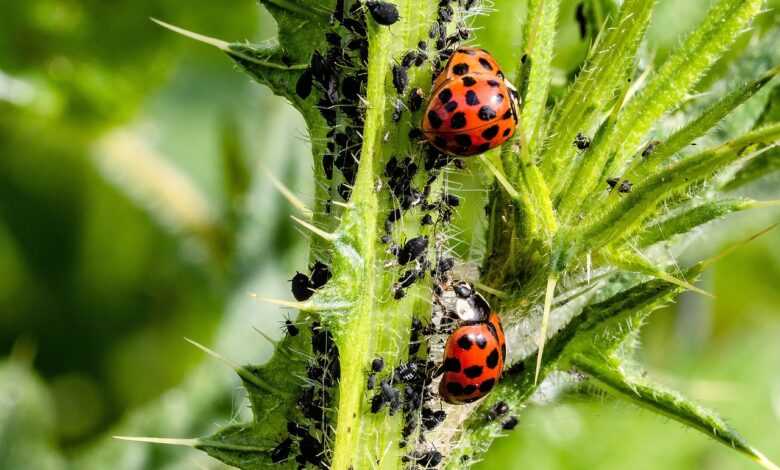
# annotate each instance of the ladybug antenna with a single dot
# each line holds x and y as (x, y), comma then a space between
(288, 194)
(548, 298)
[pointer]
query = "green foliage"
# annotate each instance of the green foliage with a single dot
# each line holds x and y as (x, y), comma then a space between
(551, 222)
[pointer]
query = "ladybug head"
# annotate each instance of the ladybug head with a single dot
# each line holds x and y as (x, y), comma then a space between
(463, 303)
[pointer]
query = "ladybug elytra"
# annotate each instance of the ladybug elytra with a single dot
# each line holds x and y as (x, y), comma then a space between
(472, 108)
(475, 352)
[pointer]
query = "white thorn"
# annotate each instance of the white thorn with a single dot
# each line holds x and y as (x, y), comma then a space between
(159, 440)
(345, 205)
(588, 267)
(212, 353)
(285, 191)
(762, 460)
(266, 337)
(315, 230)
(306, 306)
(548, 298)
(218, 43)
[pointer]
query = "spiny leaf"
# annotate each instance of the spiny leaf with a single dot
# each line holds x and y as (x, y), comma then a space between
(626, 215)
(634, 261)
(679, 73)
(607, 373)
(601, 79)
(539, 42)
(641, 167)
(688, 219)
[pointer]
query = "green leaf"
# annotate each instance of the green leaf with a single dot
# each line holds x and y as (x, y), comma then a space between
(626, 214)
(642, 167)
(689, 218)
(679, 73)
(539, 42)
(607, 373)
(601, 80)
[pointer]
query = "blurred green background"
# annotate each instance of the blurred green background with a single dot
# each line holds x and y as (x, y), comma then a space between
(135, 211)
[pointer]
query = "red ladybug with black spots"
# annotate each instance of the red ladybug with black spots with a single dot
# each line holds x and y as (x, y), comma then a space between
(475, 352)
(472, 107)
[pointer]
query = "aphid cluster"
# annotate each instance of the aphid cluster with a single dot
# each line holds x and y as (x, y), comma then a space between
(306, 439)
(623, 186)
(303, 286)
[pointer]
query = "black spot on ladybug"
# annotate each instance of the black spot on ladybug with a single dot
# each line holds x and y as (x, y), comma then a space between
(471, 98)
(383, 13)
(303, 85)
(440, 141)
(487, 385)
(507, 131)
(445, 95)
(486, 113)
(454, 388)
(451, 106)
(493, 83)
(485, 64)
(469, 81)
(452, 364)
(464, 342)
(434, 119)
(300, 287)
(464, 140)
(509, 424)
(481, 341)
(492, 359)
(490, 132)
(507, 114)
(473, 372)
(469, 389)
(460, 69)
(458, 120)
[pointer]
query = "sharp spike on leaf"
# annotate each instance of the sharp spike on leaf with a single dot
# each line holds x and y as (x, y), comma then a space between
(242, 372)
(762, 460)
(285, 191)
(273, 342)
(218, 43)
(548, 299)
(679, 282)
(315, 230)
(307, 306)
(345, 205)
(160, 440)
(500, 177)
(736, 246)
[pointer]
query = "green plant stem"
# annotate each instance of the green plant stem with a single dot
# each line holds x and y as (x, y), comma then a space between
(376, 325)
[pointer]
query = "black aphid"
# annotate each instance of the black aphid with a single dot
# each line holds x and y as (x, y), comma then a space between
(624, 186)
(300, 287)
(412, 249)
(509, 424)
(384, 13)
(378, 364)
(292, 330)
(416, 98)
(320, 275)
(581, 141)
(400, 78)
(303, 85)
(281, 452)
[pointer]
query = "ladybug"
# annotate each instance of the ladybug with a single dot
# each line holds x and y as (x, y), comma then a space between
(473, 360)
(472, 108)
